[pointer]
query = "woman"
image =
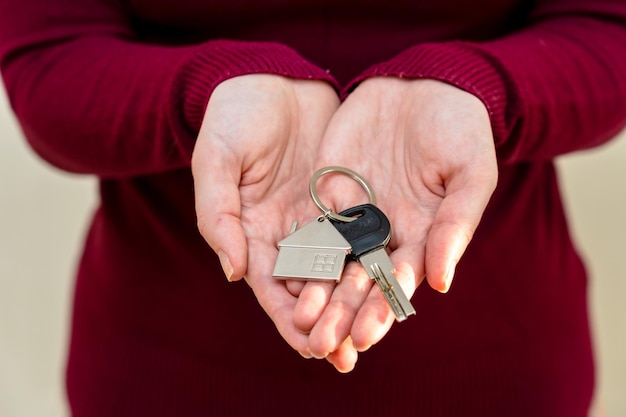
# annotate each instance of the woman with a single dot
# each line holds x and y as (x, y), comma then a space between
(215, 116)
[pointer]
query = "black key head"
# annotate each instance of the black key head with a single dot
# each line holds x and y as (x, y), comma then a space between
(369, 231)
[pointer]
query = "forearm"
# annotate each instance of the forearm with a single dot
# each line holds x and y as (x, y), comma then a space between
(93, 99)
(555, 87)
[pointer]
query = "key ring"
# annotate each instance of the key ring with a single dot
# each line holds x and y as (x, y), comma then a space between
(328, 212)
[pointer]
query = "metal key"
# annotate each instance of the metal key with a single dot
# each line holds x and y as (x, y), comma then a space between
(369, 236)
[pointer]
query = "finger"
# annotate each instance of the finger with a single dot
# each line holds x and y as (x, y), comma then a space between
(311, 303)
(345, 357)
(453, 227)
(332, 328)
(295, 286)
(274, 298)
(218, 208)
(279, 307)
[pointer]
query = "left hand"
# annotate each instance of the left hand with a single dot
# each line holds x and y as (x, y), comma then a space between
(427, 149)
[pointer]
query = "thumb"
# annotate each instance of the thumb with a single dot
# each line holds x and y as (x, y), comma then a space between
(453, 227)
(218, 208)
(446, 244)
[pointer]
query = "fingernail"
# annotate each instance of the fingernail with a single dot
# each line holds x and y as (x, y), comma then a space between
(448, 277)
(361, 350)
(305, 355)
(319, 356)
(226, 265)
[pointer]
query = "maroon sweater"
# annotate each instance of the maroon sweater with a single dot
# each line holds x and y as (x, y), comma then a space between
(117, 89)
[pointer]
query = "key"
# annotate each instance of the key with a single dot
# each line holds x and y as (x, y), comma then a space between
(369, 236)
(317, 251)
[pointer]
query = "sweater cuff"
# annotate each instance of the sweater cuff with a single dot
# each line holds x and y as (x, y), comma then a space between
(463, 65)
(213, 62)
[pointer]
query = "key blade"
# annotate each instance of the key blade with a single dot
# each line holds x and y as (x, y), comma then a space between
(379, 268)
(397, 300)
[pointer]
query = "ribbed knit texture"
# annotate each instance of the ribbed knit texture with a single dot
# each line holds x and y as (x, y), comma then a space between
(457, 63)
(118, 90)
(220, 60)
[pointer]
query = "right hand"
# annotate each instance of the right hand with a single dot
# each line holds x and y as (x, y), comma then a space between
(251, 165)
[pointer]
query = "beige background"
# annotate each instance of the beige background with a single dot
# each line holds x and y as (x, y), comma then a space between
(43, 214)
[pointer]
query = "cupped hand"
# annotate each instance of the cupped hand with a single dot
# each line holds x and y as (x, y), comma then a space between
(427, 149)
(251, 165)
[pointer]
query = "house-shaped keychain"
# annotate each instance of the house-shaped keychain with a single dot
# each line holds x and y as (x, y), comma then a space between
(317, 251)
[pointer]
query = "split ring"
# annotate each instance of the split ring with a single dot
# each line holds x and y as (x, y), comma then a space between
(329, 212)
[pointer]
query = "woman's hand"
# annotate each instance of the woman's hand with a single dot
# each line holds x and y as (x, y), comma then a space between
(252, 163)
(427, 149)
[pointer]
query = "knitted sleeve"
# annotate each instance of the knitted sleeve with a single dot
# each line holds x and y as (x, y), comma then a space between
(92, 98)
(555, 86)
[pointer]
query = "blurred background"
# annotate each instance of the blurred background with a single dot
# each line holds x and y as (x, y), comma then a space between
(43, 217)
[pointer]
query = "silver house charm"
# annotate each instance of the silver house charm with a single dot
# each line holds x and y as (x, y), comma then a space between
(317, 251)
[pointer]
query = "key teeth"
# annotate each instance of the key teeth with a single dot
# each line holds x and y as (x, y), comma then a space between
(389, 293)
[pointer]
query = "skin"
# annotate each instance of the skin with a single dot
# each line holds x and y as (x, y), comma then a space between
(426, 148)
